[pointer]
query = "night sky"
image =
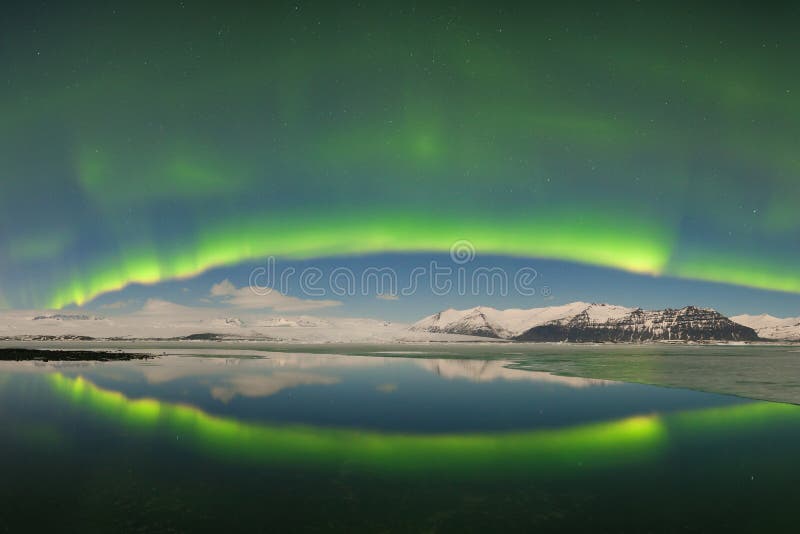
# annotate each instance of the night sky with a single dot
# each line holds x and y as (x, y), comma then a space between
(146, 142)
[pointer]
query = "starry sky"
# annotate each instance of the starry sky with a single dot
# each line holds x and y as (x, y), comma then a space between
(150, 143)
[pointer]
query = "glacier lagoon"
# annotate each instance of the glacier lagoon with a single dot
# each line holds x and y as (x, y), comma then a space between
(401, 438)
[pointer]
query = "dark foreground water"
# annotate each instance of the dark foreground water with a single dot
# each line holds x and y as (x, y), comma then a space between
(313, 442)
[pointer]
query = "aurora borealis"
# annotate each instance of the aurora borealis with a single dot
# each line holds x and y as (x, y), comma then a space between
(606, 443)
(147, 142)
(559, 452)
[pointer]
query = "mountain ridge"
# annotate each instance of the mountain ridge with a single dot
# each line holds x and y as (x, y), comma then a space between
(589, 322)
(573, 322)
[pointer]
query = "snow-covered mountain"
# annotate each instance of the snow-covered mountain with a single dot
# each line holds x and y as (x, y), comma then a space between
(67, 317)
(574, 322)
(769, 327)
(269, 322)
(490, 322)
(584, 322)
(168, 321)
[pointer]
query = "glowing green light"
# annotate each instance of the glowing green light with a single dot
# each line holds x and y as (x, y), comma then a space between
(348, 142)
(581, 447)
(730, 268)
(572, 449)
(632, 245)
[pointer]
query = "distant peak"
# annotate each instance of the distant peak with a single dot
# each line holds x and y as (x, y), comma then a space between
(692, 307)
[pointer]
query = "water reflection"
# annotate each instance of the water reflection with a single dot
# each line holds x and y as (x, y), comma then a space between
(265, 385)
(491, 370)
(374, 444)
(581, 447)
(380, 393)
(596, 445)
(173, 367)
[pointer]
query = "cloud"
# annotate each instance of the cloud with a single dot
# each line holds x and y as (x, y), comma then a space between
(387, 296)
(118, 305)
(263, 386)
(244, 297)
(158, 307)
(223, 289)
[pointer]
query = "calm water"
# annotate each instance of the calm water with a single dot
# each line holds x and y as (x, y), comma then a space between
(287, 442)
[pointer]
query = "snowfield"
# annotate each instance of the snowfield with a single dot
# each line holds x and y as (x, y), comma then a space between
(769, 327)
(163, 320)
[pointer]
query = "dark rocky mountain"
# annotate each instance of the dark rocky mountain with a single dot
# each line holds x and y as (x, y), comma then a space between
(687, 324)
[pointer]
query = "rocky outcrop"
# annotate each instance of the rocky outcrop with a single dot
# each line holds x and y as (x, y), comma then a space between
(686, 324)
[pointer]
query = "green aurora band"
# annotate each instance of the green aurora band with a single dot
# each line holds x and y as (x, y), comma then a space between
(601, 242)
(558, 451)
(160, 141)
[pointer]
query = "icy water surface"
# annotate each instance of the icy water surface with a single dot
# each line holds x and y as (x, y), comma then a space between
(278, 441)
